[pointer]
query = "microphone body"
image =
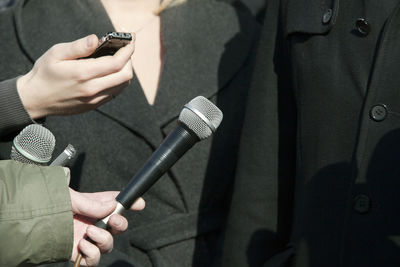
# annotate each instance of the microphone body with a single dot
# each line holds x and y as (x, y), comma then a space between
(197, 121)
(63, 159)
(173, 148)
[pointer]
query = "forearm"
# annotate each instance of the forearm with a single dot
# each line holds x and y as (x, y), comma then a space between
(13, 115)
(36, 223)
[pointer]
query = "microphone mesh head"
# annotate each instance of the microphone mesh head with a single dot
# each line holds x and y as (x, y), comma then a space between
(201, 116)
(34, 145)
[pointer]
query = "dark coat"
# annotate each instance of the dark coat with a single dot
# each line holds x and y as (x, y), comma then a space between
(208, 46)
(321, 139)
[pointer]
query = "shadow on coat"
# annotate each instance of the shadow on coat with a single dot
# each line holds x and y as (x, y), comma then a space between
(369, 208)
(222, 160)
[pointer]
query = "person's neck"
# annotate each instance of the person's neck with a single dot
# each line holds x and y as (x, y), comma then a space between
(139, 9)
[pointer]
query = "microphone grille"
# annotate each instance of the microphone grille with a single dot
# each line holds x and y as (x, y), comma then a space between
(201, 116)
(34, 145)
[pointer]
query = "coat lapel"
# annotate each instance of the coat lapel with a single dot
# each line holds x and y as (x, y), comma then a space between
(206, 43)
(43, 23)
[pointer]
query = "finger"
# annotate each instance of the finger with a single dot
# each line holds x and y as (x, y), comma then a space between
(115, 81)
(103, 238)
(118, 224)
(91, 253)
(139, 204)
(91, 208)
(73, 50)
(106, 196)
(102, 196)
(98, 67)
(104, 96)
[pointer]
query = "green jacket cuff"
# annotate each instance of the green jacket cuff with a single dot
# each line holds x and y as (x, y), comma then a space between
(36, 222)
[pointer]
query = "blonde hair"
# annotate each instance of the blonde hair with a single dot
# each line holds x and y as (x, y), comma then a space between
(166, 4)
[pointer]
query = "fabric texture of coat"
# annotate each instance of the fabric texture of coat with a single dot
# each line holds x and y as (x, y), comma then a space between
(318, 175)
(208, 47)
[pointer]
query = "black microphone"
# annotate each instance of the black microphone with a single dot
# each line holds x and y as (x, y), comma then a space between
(34, 145)
(197, 121)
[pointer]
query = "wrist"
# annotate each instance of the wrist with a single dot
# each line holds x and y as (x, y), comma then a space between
(28, 98)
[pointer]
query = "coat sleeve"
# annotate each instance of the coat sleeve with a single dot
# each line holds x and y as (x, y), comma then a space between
(36, 223)
(259, 221)
(13, 115)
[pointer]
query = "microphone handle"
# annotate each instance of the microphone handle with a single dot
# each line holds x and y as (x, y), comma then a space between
(62, 159)
(174, 146)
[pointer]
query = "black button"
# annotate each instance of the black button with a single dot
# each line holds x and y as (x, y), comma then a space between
(363, 26)
(327, 16)
(362, 203)
(378, 112)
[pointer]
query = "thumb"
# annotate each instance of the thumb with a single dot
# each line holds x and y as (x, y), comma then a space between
(77, 49)
(85, 206)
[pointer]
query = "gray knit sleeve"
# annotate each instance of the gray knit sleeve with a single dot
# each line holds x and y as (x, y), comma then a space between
(13, 115)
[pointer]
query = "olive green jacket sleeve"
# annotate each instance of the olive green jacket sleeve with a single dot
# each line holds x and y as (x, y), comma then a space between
(36, 224)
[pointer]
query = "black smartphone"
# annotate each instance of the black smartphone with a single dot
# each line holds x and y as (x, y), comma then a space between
(110, 43)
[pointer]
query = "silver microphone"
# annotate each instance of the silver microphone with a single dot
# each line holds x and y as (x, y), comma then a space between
(34, 145)
(62, 159)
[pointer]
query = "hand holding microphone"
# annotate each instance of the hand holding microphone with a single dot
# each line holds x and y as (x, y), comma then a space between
(87, 209)
(197, 121)
(35, 145)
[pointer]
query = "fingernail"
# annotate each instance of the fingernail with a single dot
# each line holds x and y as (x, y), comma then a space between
(117, 221)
